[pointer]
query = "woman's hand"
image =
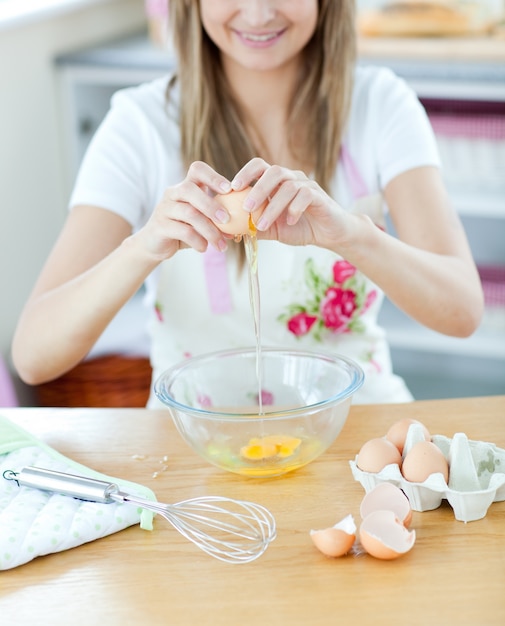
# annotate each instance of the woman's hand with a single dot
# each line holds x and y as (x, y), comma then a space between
(185, 216)
(299, 211)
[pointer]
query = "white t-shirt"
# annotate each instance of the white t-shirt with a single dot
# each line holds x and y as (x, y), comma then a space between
(310, 298)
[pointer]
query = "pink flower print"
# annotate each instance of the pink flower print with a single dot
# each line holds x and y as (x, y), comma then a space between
(375, 365)
(158, 309)
(371, 297)
(342, 270)
(370, 357)
(267, 398)
(204, 401)
(337, 308)
(334, 303)
(301, 323)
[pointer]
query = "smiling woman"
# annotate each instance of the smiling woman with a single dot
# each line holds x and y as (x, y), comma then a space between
(266, 94)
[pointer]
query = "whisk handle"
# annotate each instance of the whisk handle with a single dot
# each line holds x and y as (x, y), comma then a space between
(81, 487)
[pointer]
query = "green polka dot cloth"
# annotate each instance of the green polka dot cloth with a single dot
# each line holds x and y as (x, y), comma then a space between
(34, 522)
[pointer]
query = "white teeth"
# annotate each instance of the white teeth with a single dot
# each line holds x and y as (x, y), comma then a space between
(252, 37)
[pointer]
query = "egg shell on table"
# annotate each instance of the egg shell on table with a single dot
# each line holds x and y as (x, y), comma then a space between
(386, 496)
(384, 536)
(476, 476)
(337, 540)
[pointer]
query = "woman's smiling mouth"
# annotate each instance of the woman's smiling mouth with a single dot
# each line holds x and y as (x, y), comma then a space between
(259, 39)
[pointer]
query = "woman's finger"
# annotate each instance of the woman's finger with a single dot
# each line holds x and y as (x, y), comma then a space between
(203, 175)
(249, 173)
(190, 193)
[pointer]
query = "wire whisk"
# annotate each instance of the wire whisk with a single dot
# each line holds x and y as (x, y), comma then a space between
(234, 531)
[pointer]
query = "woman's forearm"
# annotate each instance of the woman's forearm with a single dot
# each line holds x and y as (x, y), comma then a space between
(440, 291)
(59, 326)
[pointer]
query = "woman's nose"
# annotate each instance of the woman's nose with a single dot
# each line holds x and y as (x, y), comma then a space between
(258, 12)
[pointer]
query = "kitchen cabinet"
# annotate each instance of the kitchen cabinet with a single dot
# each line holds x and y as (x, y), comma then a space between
(459, 82)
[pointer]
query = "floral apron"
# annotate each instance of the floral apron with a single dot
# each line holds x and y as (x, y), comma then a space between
(310, 298)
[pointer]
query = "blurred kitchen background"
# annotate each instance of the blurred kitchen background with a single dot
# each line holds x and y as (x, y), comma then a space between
(60, 62)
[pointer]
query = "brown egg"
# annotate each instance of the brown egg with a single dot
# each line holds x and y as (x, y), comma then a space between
(336, 540)
(376, 453)
(387, 497)
(384, 536)
(422, 460)
(241, 222)
(398, 432)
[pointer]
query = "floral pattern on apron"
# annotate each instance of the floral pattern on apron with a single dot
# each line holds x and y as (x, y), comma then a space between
(338, 295)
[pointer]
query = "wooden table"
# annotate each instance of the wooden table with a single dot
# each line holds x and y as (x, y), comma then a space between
(455, 574)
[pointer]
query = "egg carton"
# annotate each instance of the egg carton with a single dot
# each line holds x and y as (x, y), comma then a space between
(476, 476)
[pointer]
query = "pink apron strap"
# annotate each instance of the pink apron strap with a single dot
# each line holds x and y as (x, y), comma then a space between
(218, 285)
(8, 397)
(352, 174)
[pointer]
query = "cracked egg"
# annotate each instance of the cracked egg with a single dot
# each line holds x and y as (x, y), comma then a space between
(241, 221)
(336, 540)
(385, 515)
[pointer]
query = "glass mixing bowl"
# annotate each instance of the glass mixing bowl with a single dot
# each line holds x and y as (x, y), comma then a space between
(214, 400)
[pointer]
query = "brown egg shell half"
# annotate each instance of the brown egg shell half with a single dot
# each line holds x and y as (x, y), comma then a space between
(384, 536)
(332, 541)
(337, 540)
(387, 497)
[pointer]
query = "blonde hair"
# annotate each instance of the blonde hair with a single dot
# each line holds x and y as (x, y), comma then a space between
(213, 130)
